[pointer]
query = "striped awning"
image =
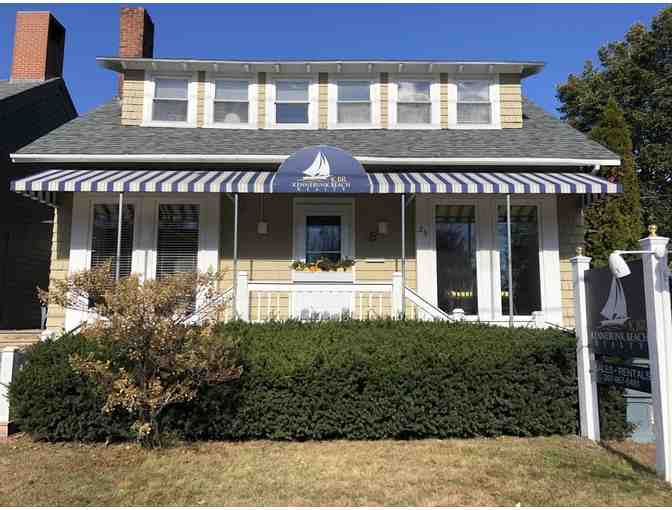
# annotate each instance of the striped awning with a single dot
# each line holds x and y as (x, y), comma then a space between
(183, 181)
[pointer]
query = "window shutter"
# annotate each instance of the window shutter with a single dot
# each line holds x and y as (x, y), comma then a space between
(177, 244)
(104, 237)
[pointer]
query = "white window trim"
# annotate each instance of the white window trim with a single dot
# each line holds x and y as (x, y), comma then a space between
(313, 100)
(343, 207)
(495, 113)
(145, 233)
(252, 97)
(434, 95)
(488, 276)
(192, 99)
(374, 95)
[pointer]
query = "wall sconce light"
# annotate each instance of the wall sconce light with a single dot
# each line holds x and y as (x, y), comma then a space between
(262, 228)
(262, 225)
(383, 228)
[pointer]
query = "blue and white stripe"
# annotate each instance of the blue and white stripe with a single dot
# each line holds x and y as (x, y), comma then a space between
(488, 183)
(201, 181)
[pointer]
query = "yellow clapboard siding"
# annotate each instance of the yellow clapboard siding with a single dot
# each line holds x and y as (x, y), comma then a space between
(60, 258)
(132, 97)
(323, 100)
(261, 100)
(200, 99)
(384, 100)
(444, 99)
(510, 98)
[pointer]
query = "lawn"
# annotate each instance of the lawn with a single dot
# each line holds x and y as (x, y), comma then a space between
(563, 471)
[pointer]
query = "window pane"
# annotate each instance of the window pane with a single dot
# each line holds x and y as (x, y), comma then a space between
(525, 259)
(170, 88)
(295, 90)
(473, 113)
(231, 90)
(354, 113)
(456, 258)
(354, 90)
(231, 113)
(473, 90)
(413, 91)
(291, 113)
(174, 111)
(410, 113)
(104, 237)
(177, 244)
(323, 238)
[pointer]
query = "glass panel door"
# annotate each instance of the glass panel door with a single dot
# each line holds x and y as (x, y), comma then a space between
(323, 238)
(456, 258)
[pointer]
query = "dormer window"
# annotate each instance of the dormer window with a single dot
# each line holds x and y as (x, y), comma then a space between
(414, 103)
(354, 102)
(292, 101)
(171, 100)
(231, 102)
(473, 102)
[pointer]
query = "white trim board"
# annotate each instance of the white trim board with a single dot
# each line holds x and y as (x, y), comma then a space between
(278, 158)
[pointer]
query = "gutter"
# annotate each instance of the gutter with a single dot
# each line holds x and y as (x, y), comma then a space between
(277, 158)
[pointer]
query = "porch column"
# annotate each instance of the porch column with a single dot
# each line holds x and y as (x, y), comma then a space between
(397, 295)
(234, 290)
(242, 302)
(119, 221)
(403, 257)
(659, 333)
(588, 405)
(7, 361)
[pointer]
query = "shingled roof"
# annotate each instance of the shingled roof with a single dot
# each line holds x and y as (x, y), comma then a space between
(100, 132)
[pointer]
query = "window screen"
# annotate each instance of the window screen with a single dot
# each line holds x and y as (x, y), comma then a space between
(177, 243)
(456, 258)
(104, 237)
(291, 104)
(525, 259)
(170, 99)
(231, 101)
(323, 238)
(473, 102)
(354, 102)
(414, 104)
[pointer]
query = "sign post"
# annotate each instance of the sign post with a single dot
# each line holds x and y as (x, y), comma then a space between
(659, 329)
(588, 408)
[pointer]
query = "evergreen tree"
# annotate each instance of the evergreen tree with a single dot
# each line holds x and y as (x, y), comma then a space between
(614, 223)
(637, 72)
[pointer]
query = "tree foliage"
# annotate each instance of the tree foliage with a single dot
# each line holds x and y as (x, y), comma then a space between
(155, 356)
(637, 73)
(614, 223)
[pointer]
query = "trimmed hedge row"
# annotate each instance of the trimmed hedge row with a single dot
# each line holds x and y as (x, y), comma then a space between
(355, 380)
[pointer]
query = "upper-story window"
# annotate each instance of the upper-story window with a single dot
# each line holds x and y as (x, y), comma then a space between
(292, 101)
(231, 102)
(473, 102)
(171, 100)
(414, 102)
(354, 102)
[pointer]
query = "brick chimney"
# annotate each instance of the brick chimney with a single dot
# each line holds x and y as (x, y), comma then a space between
(39, 43)
(136, 36)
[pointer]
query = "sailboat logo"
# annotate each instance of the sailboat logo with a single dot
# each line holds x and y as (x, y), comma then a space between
(318, 170)
(615, 311)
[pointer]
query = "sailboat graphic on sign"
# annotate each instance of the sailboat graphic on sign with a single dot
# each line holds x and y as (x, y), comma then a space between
(318, 169)
(615, 311)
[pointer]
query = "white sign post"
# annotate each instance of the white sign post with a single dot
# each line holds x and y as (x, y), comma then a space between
(659, 333)
(588, 406)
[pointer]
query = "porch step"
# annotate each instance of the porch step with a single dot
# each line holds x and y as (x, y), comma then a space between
(19, 337)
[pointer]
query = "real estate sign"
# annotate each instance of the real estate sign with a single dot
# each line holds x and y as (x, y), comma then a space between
(617, 313)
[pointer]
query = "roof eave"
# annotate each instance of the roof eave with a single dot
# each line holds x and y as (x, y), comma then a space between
(524, 68)
(278, 158)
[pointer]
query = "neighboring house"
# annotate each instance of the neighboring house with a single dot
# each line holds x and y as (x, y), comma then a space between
(33, 102)
(249, 165)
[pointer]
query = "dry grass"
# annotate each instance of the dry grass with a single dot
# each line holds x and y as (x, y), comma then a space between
(543, 471)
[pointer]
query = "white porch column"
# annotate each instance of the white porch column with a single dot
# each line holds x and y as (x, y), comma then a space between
(397, 295)
(588, 405)
(242, 297)
(659, 333)
(7, 361)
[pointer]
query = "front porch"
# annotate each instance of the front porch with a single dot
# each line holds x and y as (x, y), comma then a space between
(481, 246)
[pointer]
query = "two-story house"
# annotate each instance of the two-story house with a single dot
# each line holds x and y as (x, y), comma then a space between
(453, 194)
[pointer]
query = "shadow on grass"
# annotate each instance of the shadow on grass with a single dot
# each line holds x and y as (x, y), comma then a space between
(635, 464)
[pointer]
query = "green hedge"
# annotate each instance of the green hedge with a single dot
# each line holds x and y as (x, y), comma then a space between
(50, 401)
(371, 380)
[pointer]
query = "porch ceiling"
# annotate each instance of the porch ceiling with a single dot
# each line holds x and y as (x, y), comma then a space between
(185, 181)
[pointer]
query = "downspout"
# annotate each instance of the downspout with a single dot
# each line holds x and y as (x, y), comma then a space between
(234, 291)
(119, 217)
(403, 255)
(509, 256)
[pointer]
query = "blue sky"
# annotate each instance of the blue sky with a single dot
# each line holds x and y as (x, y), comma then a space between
(563, 36)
